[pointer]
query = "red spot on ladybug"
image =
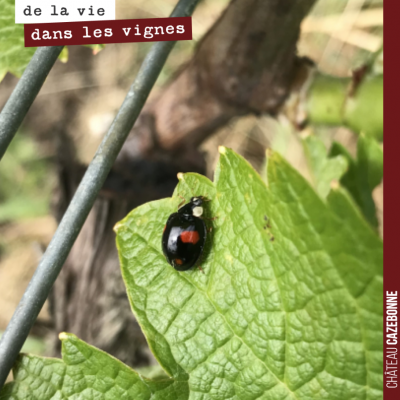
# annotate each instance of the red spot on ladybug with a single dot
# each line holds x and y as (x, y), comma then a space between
(190, 237)
(178, 261)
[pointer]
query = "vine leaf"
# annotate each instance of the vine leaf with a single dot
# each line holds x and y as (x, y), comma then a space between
(289, 307)
(84, 373)
(363, 174)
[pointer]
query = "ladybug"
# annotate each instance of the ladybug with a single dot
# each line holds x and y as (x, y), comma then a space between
(185, 235)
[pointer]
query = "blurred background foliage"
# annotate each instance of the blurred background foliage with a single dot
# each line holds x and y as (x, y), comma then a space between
(339, 36)
(26, 185)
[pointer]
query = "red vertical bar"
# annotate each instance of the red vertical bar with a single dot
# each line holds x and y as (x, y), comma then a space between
(391, 225)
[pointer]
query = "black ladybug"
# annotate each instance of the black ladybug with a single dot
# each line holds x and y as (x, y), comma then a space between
(185, 234)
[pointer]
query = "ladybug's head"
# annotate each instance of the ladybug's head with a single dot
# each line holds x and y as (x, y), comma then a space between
(193, 208)
(197, 201)
(197, 209)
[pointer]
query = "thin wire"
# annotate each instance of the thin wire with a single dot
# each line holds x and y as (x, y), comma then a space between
(73, 219)
(25, 92)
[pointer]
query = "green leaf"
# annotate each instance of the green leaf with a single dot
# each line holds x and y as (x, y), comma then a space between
(14, 57)
(329, 102)
(290, 304)
(326, 99)
(364, 110)
(364, 174)
(298, 317)
(370, 160)
(324, 170)
(84, 373)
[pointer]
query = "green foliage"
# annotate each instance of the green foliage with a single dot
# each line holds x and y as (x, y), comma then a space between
(364, 111)
(330, 103)
(25, 181)
(326, 99)
(289, 307)
(324, 170)
(84, 373)
(363, 175)
(14, 57)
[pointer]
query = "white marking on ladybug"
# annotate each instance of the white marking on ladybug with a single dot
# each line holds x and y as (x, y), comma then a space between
(197, 211)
